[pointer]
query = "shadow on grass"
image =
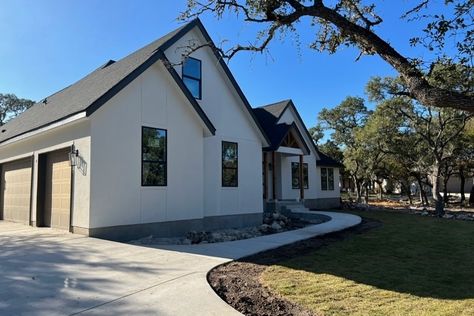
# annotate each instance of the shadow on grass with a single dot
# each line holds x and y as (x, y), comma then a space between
(425, 257)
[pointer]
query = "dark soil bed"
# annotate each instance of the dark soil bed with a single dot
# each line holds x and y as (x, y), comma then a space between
(238, 282)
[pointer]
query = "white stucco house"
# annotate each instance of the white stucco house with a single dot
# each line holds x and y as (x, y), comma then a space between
(152, 144)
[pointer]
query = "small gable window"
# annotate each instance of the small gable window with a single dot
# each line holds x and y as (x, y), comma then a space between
(230, 164)
(327, 179)
(295, 175)
(192, 76)
(154, 162)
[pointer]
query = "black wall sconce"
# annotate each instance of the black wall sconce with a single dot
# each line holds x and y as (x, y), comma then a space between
(73, 156)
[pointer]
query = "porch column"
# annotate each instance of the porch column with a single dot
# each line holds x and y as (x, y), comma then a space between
(273, 176)
(265, 175)
(301, 179)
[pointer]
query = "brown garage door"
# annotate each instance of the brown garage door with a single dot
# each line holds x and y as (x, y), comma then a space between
(16, 191)
(57, 199)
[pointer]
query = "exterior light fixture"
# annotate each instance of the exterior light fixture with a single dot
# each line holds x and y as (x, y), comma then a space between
(73, 155)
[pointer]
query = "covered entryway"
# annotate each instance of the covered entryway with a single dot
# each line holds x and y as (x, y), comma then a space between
(54, 204)
(15, 194)
(278, 171)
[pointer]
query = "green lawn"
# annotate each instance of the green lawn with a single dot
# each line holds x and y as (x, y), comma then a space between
(411, 265)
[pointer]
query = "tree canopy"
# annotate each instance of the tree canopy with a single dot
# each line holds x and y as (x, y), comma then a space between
(403, 141)
(11, 106)
(353, 23)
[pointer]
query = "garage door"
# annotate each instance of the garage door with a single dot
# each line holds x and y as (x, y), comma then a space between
(57, 190)
(16, 191)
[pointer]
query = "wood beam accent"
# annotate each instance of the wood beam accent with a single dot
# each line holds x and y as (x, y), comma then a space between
(301, 179)
(273, 176)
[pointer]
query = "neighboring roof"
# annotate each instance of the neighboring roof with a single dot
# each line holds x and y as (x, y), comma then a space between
(326, 161)
(92, 91)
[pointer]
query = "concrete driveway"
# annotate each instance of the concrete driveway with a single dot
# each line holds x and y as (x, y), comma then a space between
(48, 272)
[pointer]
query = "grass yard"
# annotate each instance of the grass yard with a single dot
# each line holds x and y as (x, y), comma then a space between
(412, 265)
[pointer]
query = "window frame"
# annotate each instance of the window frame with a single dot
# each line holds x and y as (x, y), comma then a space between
(328, 186)
(305, 185)
(230, 168)
(165, 162)
(183, 75)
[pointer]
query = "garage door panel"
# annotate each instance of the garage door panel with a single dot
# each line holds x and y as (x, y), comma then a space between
(16, 190)
(58, 189)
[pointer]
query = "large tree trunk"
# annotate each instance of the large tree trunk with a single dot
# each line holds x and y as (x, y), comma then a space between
(439, 203)
(406, 190)
(462, 178)
(380, 193)
(422, 192)
(471, 196)
(366, 187)
(358, 184)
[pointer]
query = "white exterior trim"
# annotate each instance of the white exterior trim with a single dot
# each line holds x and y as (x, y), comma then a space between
(289, 150)
(60, 123)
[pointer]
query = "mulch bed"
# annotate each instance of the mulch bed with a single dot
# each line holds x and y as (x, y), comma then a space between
(238, 282)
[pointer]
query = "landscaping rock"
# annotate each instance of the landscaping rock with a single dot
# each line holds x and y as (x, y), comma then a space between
(464, 217)
(276, 226)
(186, 242)
(448, 216)
(265, 228)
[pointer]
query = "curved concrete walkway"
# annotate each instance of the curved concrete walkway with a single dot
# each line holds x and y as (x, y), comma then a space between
(46, 272)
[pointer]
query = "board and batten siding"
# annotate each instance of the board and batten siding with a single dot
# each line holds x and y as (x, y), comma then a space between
(324, 194)
(227, 112)
(118, 198)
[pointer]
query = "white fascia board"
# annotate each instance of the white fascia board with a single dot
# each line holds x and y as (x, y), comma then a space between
(54, 125)
(289, 150)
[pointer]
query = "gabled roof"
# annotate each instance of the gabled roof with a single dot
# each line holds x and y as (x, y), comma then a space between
(95, 89)
(232, 80)
(270, 114)
(276, 132)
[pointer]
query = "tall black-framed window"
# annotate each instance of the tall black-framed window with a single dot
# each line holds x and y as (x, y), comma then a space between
(192, 76)
(230, 164)
(327, 179)
(295, 175)
(154, 152)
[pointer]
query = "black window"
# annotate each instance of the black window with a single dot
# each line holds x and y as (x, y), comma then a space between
(154, 164)
(327, 179)
(295, 175)
(192, 76)
(230, 164)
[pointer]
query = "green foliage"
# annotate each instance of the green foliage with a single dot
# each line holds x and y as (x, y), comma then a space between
(344, 120)
(317, 133)
(402, 140)
(11, 106)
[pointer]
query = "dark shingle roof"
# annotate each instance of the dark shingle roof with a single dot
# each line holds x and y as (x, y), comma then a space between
(277, 108)
(326, 161)
(268, 117)
(89, 92)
